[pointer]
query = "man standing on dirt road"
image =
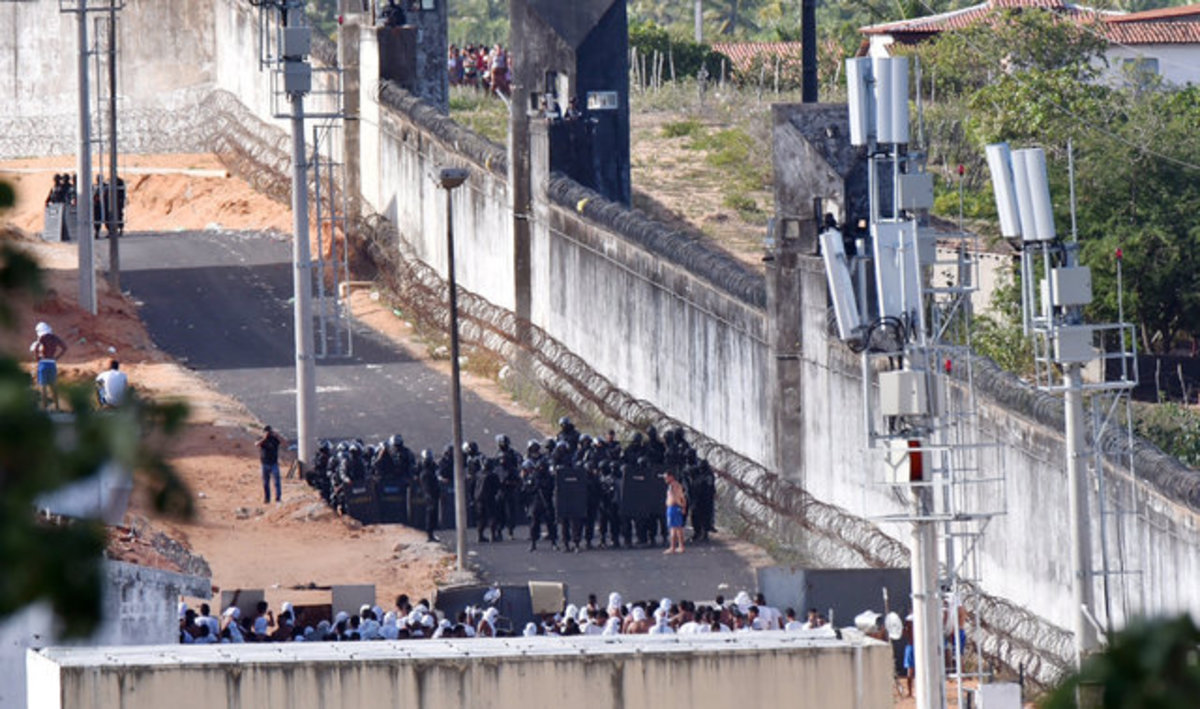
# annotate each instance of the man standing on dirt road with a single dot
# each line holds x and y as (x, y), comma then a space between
(268, 455)
(46, 349)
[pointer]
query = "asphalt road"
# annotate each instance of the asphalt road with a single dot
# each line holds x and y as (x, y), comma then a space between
(220, 302)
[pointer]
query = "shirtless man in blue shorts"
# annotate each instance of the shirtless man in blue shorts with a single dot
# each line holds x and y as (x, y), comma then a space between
(676, 513)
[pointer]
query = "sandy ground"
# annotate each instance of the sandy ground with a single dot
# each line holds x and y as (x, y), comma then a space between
(246, 544)
(674, 185)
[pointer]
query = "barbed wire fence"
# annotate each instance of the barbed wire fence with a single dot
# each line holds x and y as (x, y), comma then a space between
(765, 503)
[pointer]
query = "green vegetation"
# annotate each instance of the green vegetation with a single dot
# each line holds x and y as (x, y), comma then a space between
(480, 112)
(1151, 663)
(1031, 81)
(688, 128)
(1175, 428)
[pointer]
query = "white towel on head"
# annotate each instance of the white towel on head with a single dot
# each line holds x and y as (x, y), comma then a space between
(612, 627)
(639, 614)
(614, 601)
(530, 630)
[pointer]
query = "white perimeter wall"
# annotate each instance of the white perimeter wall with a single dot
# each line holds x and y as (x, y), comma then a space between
(630, 672)
(1025, 553)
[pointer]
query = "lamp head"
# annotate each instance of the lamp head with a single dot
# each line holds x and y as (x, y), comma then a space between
(451, 177)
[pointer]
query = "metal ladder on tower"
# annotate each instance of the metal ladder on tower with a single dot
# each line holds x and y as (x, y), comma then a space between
(334, 335)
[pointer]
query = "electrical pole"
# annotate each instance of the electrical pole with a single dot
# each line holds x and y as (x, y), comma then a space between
(83, 176)
(927, 621)
(699, 21)
(450, 178)
(114, 258)
(808, 51)
(306, 375)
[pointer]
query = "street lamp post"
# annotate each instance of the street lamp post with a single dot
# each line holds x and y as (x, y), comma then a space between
(450, 178)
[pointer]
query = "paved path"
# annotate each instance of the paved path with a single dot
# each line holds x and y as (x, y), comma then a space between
(220, 302)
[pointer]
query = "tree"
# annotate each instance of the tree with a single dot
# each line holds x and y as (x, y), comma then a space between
(1152, 664)
(59, 561)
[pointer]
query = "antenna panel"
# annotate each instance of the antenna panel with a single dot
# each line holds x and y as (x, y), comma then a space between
(841, 288)
(897, 278)
(860, 100)
(899, 99)
(1039, 191)
(1000, 165)
(884, 127)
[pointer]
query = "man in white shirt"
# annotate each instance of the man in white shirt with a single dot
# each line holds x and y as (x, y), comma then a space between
(111, 385)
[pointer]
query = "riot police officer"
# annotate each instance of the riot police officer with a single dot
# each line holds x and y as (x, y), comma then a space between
(509, 463)
(487, 502)
(431, 485)
(610, 504)
(567, 433)
(539, 491)
(594, 495)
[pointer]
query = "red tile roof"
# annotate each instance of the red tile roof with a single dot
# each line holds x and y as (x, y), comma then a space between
(1176, 25)
(1166, 13)
(742, 54)
(1153, 32)
(967, 16)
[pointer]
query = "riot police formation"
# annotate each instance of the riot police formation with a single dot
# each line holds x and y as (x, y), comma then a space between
(584, 491)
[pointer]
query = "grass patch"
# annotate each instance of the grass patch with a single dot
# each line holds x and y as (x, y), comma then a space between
(743, 204)
(689, 128)
(480, 113)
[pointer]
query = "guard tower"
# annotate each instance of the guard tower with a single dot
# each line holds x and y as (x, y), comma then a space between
(412, 48)
(578, 50)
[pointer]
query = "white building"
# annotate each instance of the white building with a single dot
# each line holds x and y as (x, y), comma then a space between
(1164, 42)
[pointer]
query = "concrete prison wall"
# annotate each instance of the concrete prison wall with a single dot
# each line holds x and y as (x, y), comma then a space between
(768, 669)
(171, 58)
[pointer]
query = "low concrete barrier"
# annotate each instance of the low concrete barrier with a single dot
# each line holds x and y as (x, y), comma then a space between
(767, 669)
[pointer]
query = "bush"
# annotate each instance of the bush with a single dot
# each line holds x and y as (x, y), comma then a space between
(689, 128)
(1172, 427)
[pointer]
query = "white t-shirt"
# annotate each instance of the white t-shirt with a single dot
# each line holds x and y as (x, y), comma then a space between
(113, 384)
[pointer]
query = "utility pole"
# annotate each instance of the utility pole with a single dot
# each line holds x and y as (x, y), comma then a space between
(297, 82)
(114, 258)
(83, 176)
(808, 51)
(699, 21)
(450, 178)
(927, 622)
